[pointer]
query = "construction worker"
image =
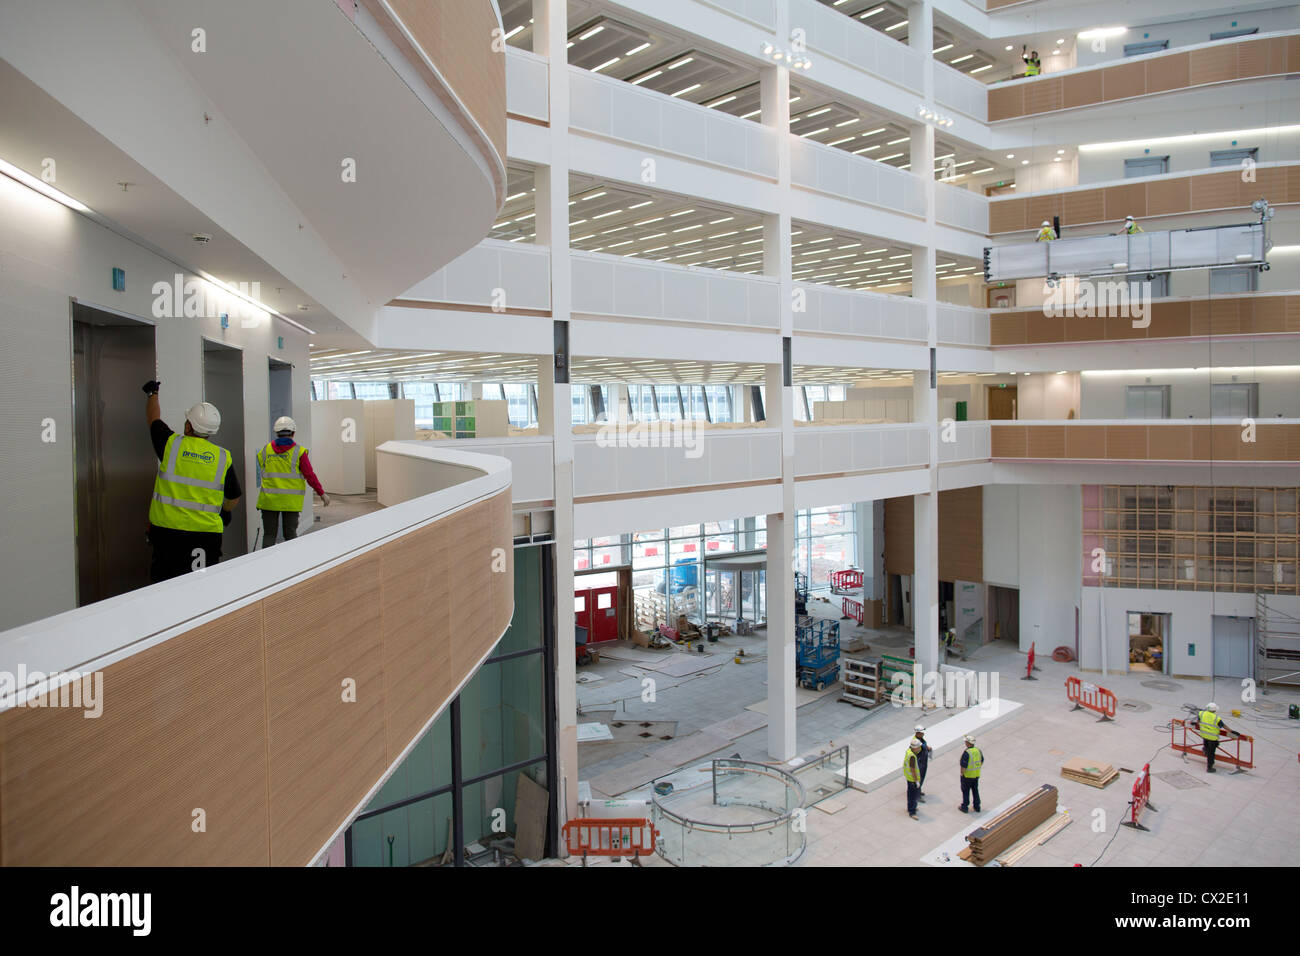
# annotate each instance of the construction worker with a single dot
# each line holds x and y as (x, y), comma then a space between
(1045, 232)
(912, 774)
(1033, 65)
(922, 760)
(1211, 728)
(194, 492)
(972, 762)
(1131, 228)
(283, 473)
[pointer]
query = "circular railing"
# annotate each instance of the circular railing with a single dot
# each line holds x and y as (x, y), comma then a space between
(730, 813)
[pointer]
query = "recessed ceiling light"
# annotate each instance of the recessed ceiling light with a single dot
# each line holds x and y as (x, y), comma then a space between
(1011, 155)
(1060, 152)
(1024, 162)
(1007, 47)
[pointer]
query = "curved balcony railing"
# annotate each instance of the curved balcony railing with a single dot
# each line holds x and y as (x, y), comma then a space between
(247, 711)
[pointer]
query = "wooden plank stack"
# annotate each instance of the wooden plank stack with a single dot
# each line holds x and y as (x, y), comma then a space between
(1059, 823)
(989, 841)
(1092, 772)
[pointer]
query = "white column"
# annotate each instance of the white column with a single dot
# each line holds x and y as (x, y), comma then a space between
(925, 546)
(551, 33)
(774, 88)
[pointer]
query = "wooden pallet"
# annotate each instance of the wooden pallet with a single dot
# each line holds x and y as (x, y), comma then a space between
(991, 839)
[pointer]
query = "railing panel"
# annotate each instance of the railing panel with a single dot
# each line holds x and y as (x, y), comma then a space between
(527, 83)
(845, 176)
(855, 312)
(628, 113)
(604, 284)
(617, 460)
(521, 270)
(959, 207)
(841, 449)
(965, 94)
(832, 33)
(960, 325)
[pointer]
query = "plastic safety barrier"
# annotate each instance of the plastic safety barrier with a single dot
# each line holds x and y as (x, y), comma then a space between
(592, 836)
(1141, 799)
(852, 609)
(1029, 669)
(847, 580)
(1091, 696)
(1234, 748)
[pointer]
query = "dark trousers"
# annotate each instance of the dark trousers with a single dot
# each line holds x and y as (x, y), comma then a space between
(1210, 747)
(970, 790)
(174, 553)
(271, 523)
(913, 791)
(921, 766)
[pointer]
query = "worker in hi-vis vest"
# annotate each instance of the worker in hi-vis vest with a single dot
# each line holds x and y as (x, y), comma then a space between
(283, 473)
(1045, 232)
(194, 492)
(912, 774)
(972, 762)
(1033, 65)
(1211, 728)
(1131, 227)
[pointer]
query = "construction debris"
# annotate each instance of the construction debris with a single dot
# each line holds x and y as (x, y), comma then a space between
(1092, 772)
(992, 839)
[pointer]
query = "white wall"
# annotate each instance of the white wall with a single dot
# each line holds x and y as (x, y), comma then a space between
(340, 465)
(1033, 541)
(48, 255)
(1106, 165)
(1105, 611)
(1188, 32)
(1102, 394)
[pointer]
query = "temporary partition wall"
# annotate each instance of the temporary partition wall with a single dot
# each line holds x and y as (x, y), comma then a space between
(338, 455)
(386, 420)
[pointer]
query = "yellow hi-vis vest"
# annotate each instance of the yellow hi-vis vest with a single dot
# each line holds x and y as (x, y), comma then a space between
(1046, 234)
(1209, 725)
(1132, 229)
(283, 486)
(974, 760)
(190, 485)
(911, 769)
(1032, 67)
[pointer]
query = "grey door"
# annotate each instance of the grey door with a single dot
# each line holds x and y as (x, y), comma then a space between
(1146, 401)
(1231, 281)
(1232, 646)
(223, 386)
(1146, 166)
(1235, 400)
(112, 357)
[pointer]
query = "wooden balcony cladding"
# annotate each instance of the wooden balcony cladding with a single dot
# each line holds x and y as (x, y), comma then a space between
(244, 717)
(457, 37)
(1171, 196)
(1258, 314)
(1176, 70)
(1193, 442)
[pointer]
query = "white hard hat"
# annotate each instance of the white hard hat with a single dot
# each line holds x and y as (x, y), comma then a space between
(1129, 219)
(284, 424)
(204, 418)
(919, 729)
(1046, 222)
(970, 739)
(1212, 707)
(915, 744)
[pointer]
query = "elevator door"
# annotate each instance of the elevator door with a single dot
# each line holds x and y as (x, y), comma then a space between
(280, 379)
(115, 464)
(223, 386)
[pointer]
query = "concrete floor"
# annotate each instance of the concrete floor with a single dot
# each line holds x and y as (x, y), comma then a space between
(342, 508)
(1223, 819)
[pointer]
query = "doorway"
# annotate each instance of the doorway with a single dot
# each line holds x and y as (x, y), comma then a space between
(280, 378)
(1233, 645)
(1004, 613)
(1148, 638)
(223, 386)
(1002, 402)
(114, 460)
